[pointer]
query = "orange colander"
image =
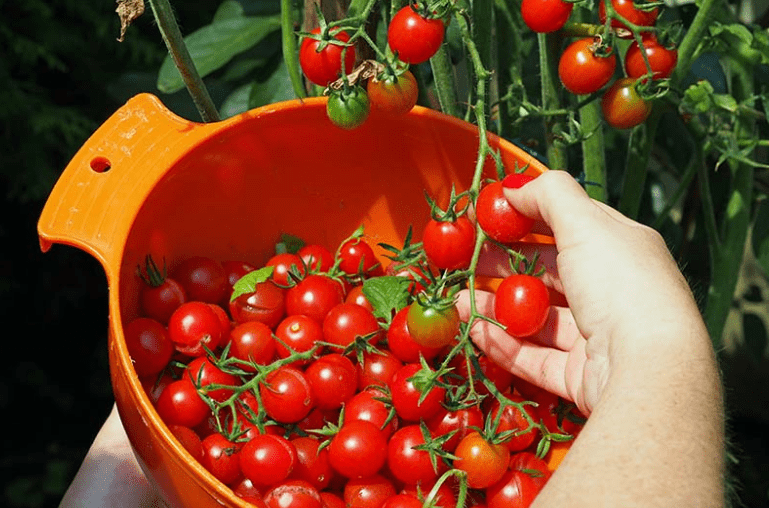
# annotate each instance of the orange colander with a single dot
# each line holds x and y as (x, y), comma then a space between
(149, 182)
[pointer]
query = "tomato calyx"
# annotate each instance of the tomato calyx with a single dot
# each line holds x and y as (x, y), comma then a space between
(151, 274)
(434, 446)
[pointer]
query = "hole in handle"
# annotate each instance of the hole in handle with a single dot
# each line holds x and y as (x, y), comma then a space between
(100, 164)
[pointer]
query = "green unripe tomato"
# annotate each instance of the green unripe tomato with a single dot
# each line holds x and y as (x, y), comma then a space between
(349, 108)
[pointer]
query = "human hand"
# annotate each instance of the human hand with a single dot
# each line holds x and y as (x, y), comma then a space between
(110, 475)
(625, 295)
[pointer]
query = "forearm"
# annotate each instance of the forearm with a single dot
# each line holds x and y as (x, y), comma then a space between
(656, 437)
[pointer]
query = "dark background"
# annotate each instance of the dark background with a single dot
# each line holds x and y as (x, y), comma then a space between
(62, 73)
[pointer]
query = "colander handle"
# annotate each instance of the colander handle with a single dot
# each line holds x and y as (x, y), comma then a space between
(93, 204)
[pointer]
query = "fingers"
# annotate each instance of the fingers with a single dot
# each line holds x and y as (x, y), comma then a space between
(546, 360)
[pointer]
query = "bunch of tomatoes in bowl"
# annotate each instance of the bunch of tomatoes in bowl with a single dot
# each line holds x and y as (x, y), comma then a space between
(330, 378)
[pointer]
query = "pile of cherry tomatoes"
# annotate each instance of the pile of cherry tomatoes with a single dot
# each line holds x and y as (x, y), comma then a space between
(415, 33)
(328, 379)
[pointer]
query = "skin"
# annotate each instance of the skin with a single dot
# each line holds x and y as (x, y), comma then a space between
(630, 349)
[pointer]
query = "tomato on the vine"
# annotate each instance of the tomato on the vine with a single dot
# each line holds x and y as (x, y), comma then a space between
(629, 9)
(432, 326)
(407, 463)
(356, 256)
(522, 304)
(459, 421)
(348, 108)
(180, 404)
(286, 395)
(393, 94)
(283, 265)
(321, 60)
(347, 321)
(449, 244)
(332, 378)
(413, 37)
(497, 217)
(402, 343)
(316, 257)
(160, 295)
(662, 60)
(516, 489)
(622, 105)
(545, 16)
(266, 303)
(314, 296)
(252, 342)
(312, 463)
(408, 398)
(220, 458)
(194, 325)
(484, 462)
(582, 70)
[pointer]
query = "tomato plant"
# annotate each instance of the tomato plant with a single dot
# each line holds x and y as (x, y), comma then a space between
(414, 37)
(321, 56)
(622, 105)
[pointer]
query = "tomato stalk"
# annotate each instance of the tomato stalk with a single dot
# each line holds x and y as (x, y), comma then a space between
(548, 50)
(290, 53)
(443, 78)
(593, 151)
(172, 36)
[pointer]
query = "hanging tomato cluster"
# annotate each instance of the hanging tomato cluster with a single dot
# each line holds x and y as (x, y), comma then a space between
(414, 35)
(588, 64)
(325, 379)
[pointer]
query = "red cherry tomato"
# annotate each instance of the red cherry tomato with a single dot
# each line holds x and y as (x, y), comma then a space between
(203, 373)
(267, 304)
(406, 395)
(220, 458)
(194, 325)
(358, 450)
(369, 405)
(316, 257)
(497, 217)
(459, 422)
(312, 463)
(202, 278)
(346, 321)
(322, 66)
(484, 462)
(449, 245)
(314, 296)
(622, 106)
(513, 419)
(332, 378)
(377, 368)
(393, 95)
(545, 16)
(293, 494)
(267, 459)
(628, 10)
(369, 492)
(516, 489)
(408, 464)
(662, 60)
(522, 304)
(581, 70)
(286, 395)
(180, 404)
(357, 257)
(413, 37)
(149, 345)
(284, 264)
(402, 343)
(298, 332)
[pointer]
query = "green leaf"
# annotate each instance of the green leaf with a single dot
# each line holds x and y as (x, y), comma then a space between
(387, 294)
(229, 9)
(277, 88)
(698, 97)
(289, 243)
(737, 30)
(237, 102)
(247, 283)
(214, 45)
(760, 235)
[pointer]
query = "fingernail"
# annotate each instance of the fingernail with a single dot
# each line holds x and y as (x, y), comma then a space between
(516, 180)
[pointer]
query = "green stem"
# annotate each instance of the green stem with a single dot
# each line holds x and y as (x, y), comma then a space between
(683, 185)
(692, 39)
(593, 152)
(290, 54)
(548, 54)
(509, 63)
(443, 78)
(727, 259)
(172, 36)
(639, 147)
